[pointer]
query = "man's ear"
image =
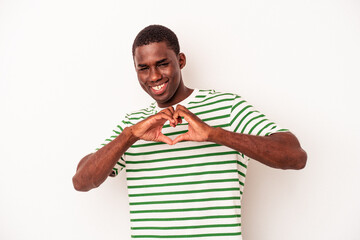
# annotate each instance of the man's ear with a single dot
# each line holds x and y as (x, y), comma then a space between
(182, 60)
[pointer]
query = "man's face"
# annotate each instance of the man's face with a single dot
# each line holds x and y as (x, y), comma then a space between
(159, 71)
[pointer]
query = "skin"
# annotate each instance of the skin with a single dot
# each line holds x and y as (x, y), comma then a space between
(156, 64)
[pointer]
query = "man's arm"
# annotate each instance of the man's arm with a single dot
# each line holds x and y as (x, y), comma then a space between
(94, 168)
(278, 150)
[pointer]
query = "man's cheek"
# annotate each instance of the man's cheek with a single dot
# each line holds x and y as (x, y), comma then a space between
(143, 86)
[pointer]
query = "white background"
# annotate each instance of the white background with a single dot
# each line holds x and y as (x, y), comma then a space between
(67, 77)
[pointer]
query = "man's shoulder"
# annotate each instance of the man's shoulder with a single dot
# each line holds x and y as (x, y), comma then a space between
(205, 95)
(149, 110)
(133, 117)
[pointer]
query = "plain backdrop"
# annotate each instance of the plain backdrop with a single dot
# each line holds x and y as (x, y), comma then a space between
(67, 77)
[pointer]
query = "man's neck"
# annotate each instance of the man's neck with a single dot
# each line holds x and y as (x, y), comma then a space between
(181, 93)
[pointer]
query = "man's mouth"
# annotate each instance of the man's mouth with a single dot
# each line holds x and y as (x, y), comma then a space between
(159, 89)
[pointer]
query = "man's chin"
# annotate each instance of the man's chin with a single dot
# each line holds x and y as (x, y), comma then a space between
(162, 101)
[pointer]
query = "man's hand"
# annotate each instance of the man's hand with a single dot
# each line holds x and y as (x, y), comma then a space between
(197, 130)
(150, 128)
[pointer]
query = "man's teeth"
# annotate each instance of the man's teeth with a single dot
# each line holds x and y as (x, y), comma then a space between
(158, 87)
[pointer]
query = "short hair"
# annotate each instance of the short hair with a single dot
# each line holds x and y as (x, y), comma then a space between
(155, 34)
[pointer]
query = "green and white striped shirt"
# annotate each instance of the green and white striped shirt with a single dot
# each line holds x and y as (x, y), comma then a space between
(192, 189)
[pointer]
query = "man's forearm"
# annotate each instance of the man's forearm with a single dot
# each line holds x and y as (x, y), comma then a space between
(94, 168)
(279, 150)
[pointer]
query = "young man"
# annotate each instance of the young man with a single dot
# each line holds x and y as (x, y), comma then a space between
(189, 185)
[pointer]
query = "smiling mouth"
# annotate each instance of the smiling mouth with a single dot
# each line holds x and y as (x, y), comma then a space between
(159, 89)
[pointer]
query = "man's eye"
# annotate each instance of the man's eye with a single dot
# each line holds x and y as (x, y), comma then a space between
(163, 64)
(143, 69)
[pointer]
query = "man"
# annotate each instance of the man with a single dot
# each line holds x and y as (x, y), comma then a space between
(185, 177)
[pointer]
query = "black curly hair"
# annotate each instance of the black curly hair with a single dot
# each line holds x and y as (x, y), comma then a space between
(155, 34)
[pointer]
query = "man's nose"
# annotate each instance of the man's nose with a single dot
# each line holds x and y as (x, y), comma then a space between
(155, 74)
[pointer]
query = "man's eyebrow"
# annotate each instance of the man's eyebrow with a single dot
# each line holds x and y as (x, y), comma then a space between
(157, 62)
(141, 65)
(161, 61)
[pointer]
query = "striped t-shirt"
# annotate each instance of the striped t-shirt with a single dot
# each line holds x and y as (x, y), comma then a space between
(191, 190)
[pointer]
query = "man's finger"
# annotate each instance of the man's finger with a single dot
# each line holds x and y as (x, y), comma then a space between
(187, 115)
(162, 115)
(178, 114)
(179, 120)
(171, 109)
(169, 112)
(182, 137)
(165, 139)
(181, 107)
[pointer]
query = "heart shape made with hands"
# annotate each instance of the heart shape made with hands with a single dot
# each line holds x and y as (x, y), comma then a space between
(150, 128)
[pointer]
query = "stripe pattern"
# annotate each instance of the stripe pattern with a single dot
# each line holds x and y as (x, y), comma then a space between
(193, 189)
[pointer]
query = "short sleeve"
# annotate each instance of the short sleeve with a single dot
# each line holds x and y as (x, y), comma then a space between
(120, 164)
(244, 118)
